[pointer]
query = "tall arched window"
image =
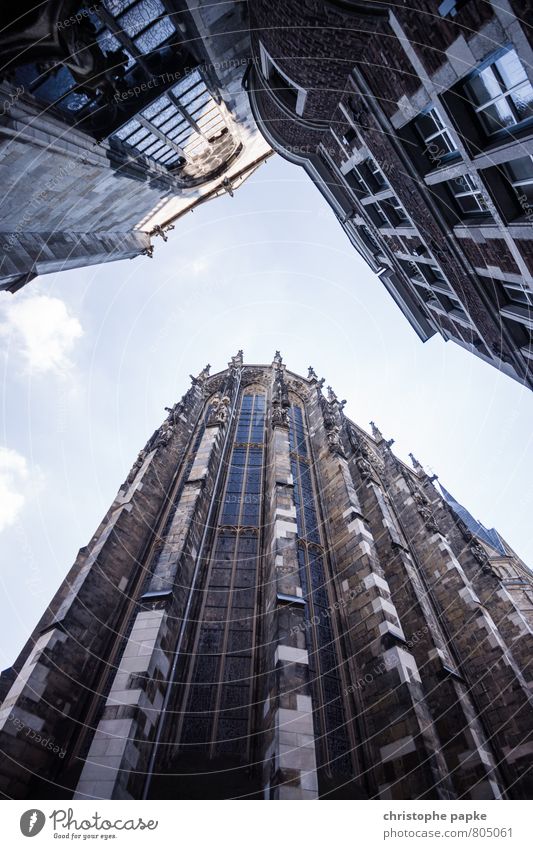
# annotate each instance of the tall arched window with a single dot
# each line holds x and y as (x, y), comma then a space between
(219, 694)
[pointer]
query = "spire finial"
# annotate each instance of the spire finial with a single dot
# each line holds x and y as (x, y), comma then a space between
(416, 464)
(237, 360)
(202, 377)
(278, 359)
(376, 433)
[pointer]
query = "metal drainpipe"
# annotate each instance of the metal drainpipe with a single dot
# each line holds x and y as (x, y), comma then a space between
(517, 363)
(185, 619)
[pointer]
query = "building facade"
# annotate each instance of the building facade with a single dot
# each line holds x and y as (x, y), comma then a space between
(116, 118)
(415, 120)
(275, 606)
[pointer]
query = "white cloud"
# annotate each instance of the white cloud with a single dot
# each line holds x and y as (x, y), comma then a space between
(42, 331)
(14, 482)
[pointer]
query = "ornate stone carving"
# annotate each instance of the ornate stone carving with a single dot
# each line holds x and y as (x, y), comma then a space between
(237, 360)
(424, 508)
(333, 422)
(311, 374)
(163, 435)
(158, 230)
(334, 440)
(280, 399)
(376, 433)
(477, 551)
(280, 415)
(134, 469)
(365, 468)
(202, 377)
(220, 412)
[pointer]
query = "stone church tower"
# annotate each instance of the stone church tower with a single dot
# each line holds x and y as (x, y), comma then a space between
(275, 606)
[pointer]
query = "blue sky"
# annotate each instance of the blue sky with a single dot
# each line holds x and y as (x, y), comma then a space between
(91, 357)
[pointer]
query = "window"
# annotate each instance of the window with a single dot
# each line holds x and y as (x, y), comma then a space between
(176, 126)
(501, 94)
(388, 213)
(450, 8)
(291, 94)
(366, 178)
(520, 175)
(517, 295)
(439, 147)
(242, 499)
(468, 198)
(124, 31)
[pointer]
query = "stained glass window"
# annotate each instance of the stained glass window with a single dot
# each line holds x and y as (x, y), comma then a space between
(226, 632)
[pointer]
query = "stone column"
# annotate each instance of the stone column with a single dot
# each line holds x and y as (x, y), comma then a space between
(121, 747)
(382, 670)
(502, 697)
(469, 758)
(290, 756)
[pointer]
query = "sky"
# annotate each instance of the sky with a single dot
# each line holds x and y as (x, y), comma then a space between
(89, 359)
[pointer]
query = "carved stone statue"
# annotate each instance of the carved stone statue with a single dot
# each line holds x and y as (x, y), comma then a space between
(477, 550)
(163, 435)
(364, 467)
(335, 441)
(221, 410)
(280, 415)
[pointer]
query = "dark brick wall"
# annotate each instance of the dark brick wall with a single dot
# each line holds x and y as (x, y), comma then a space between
(526, 249)
(431, 35)
(492, 252)
(316, 44)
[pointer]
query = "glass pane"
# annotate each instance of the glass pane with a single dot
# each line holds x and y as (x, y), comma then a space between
(108, 42)
(127, 129)
(498, 116)
(155, 36)
(427, 124)
(186, 83)
(510, 69)
(190, 96)
(141, 16)
(117, 6)
(468, 203)
(155, 107)
(138, 136)
(58, 83)
(164, 115)
(522, 99)
(74, 102)
(518, 296)
(521, 169)
(484, 86)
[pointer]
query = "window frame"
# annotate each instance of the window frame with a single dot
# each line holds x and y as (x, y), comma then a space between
(478, 109)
